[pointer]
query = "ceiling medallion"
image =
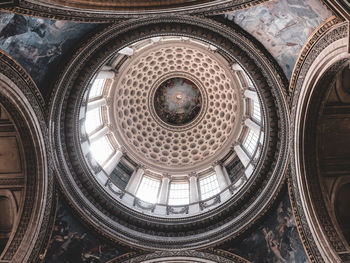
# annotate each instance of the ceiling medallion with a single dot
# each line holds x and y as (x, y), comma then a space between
(167, 110)
(177, 101)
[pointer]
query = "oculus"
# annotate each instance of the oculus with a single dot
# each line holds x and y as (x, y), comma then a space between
(177, 101)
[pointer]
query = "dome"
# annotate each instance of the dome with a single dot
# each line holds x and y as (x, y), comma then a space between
(171, 131)
(174, 109)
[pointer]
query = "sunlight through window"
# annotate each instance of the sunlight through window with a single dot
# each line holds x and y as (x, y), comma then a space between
(251, 142)
(179, 193)
(92, 120)
(148, 189)
(209, 186)
(101, 149)
(97, 88)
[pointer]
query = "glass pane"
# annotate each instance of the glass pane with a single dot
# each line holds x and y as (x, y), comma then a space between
(250, 142)
(148, 189)
(209, 186)
(101, 149)
(97, 88)
(179, 194)
(92, 120)
(256, 111)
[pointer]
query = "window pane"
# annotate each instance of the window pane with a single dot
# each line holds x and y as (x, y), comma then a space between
(148, 189)
(92, 120)
(209, 186)
(179, 194)
(250, 142)
(97, 88)
(256, 111)
(101, 149)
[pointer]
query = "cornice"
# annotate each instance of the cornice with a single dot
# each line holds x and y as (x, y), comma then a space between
(99, 15)
(212, 255)
(309, 45)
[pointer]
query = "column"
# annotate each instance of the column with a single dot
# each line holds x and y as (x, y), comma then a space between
(98, 134)
(134, 181)
(113, 162)
(126, 51)
(105, 74)
(236, 67)
(96, 104)
(242, 155)
(194, 193)
(223, 181)
(164, 189)
(252, 126)
(251, 95)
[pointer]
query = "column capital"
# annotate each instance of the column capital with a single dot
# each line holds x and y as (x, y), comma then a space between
(140, 166)
(122, 150)
(193, 174)
(166, 176)
(216, 163)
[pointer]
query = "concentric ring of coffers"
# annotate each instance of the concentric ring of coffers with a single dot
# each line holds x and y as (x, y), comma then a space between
(181, 164)
(120, 180)
(165, 146)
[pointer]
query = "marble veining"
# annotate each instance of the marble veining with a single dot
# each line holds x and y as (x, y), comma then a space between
(282, 26)
(39, 44)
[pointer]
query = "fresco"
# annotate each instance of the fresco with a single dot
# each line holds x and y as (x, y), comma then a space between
(38, 44)
(177, 101)
(282, 26)
(275, 240)
(73, 243)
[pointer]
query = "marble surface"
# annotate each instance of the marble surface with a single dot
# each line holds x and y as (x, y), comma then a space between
(274, 240)
(39, 44)
(282, 26)
(71, 242)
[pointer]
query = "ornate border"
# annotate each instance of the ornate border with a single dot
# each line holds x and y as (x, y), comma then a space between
(331, 32)
(51, 11)
(313, 39)
(26, 107)
(218, 256)
(141, 230)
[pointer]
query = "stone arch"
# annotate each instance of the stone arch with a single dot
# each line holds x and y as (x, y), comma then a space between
(317, 225)
(21, 99)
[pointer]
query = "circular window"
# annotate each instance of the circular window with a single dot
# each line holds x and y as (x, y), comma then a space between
(161, 130)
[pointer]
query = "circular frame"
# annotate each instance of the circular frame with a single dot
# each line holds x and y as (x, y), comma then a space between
(99, 13)
(199, 116)
(21, 98)
(120, 223)
(324, 59)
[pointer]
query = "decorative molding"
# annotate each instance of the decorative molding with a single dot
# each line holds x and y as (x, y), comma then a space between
(206, 204)
(21, 98)
(211, 255)
(96, 15)
(331, 32)
(139, 203)
(174, 210)
(310, 44)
